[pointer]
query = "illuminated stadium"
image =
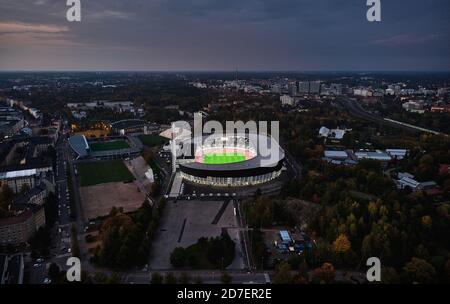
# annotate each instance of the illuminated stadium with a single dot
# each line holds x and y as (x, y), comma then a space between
(231, 161)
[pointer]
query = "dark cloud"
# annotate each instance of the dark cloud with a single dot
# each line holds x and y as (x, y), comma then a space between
(226, 34)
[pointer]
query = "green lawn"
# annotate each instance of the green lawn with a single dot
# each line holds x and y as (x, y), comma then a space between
(153, 140)
(222, 158)
(109, 145)
(94, 173)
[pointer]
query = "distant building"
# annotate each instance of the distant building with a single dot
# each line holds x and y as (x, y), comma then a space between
(303, 87)
(129, 126)
(20, 228)
(441, 109)
(333, 133)
(335, 89)
(118, 106)
(293, 89)
(363, 92)
(406, 180)
(79, 114)
(314, 87)
(287, 100)
(373, 155)
(397, 153)
(11, 269)
(414, 107)
(22, 161)
(335, 154)
(276, 88)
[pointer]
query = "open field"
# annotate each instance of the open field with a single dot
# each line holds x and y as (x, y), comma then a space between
(109, 145)
(94, 173)
(152, 140)
(98, 200)
(222, 158)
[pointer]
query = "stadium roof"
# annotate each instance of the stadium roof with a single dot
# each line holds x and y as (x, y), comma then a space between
(128, 123)
(79, 144)
(271, 159)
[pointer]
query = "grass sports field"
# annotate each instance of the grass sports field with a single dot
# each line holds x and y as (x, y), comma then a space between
(109, 145)
(94, 173)
(153, 140)
(222, 158)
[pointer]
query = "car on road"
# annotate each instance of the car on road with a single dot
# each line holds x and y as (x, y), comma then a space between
(47, 281)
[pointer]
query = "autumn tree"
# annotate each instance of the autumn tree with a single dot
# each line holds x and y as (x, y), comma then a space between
(420, 271)
(324, 274)
(283, 274)
(341, 244)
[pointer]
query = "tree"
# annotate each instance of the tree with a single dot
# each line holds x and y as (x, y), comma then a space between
(225, 278)
(447, 271)
(184, 278)
(389, 276)
(178, 257)
(169, 278)
(100, 277)
(341, 244)
(325, 273)
(198, 280)
(420, 271)
(114, 278)
(427, 222)
(54, 272)
(6, 196)
(156, 278)
(283, 274)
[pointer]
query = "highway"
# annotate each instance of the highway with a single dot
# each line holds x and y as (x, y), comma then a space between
(355, 109)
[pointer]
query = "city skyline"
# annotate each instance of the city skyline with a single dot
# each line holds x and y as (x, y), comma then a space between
(257, 35)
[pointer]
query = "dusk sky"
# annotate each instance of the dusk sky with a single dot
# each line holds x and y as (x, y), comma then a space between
(253, 35)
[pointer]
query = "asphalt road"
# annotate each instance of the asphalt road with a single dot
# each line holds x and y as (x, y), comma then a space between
(207, 277)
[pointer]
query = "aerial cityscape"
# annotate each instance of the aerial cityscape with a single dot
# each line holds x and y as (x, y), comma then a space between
(166, 161)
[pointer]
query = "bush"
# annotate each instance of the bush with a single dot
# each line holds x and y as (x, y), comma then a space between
(170, 278)
(178, 257)
(156, 278)
(226, 278)
(90, 238)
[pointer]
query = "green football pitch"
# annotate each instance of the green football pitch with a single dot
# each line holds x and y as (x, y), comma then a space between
(94, 173)
(109, 145)
(222, 158)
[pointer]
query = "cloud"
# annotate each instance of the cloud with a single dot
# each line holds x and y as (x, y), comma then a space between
(18, 27)
(225, 34)
(406, 40)
(109, 14)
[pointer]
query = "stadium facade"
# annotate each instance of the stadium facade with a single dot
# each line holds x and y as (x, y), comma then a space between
(230, 161)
